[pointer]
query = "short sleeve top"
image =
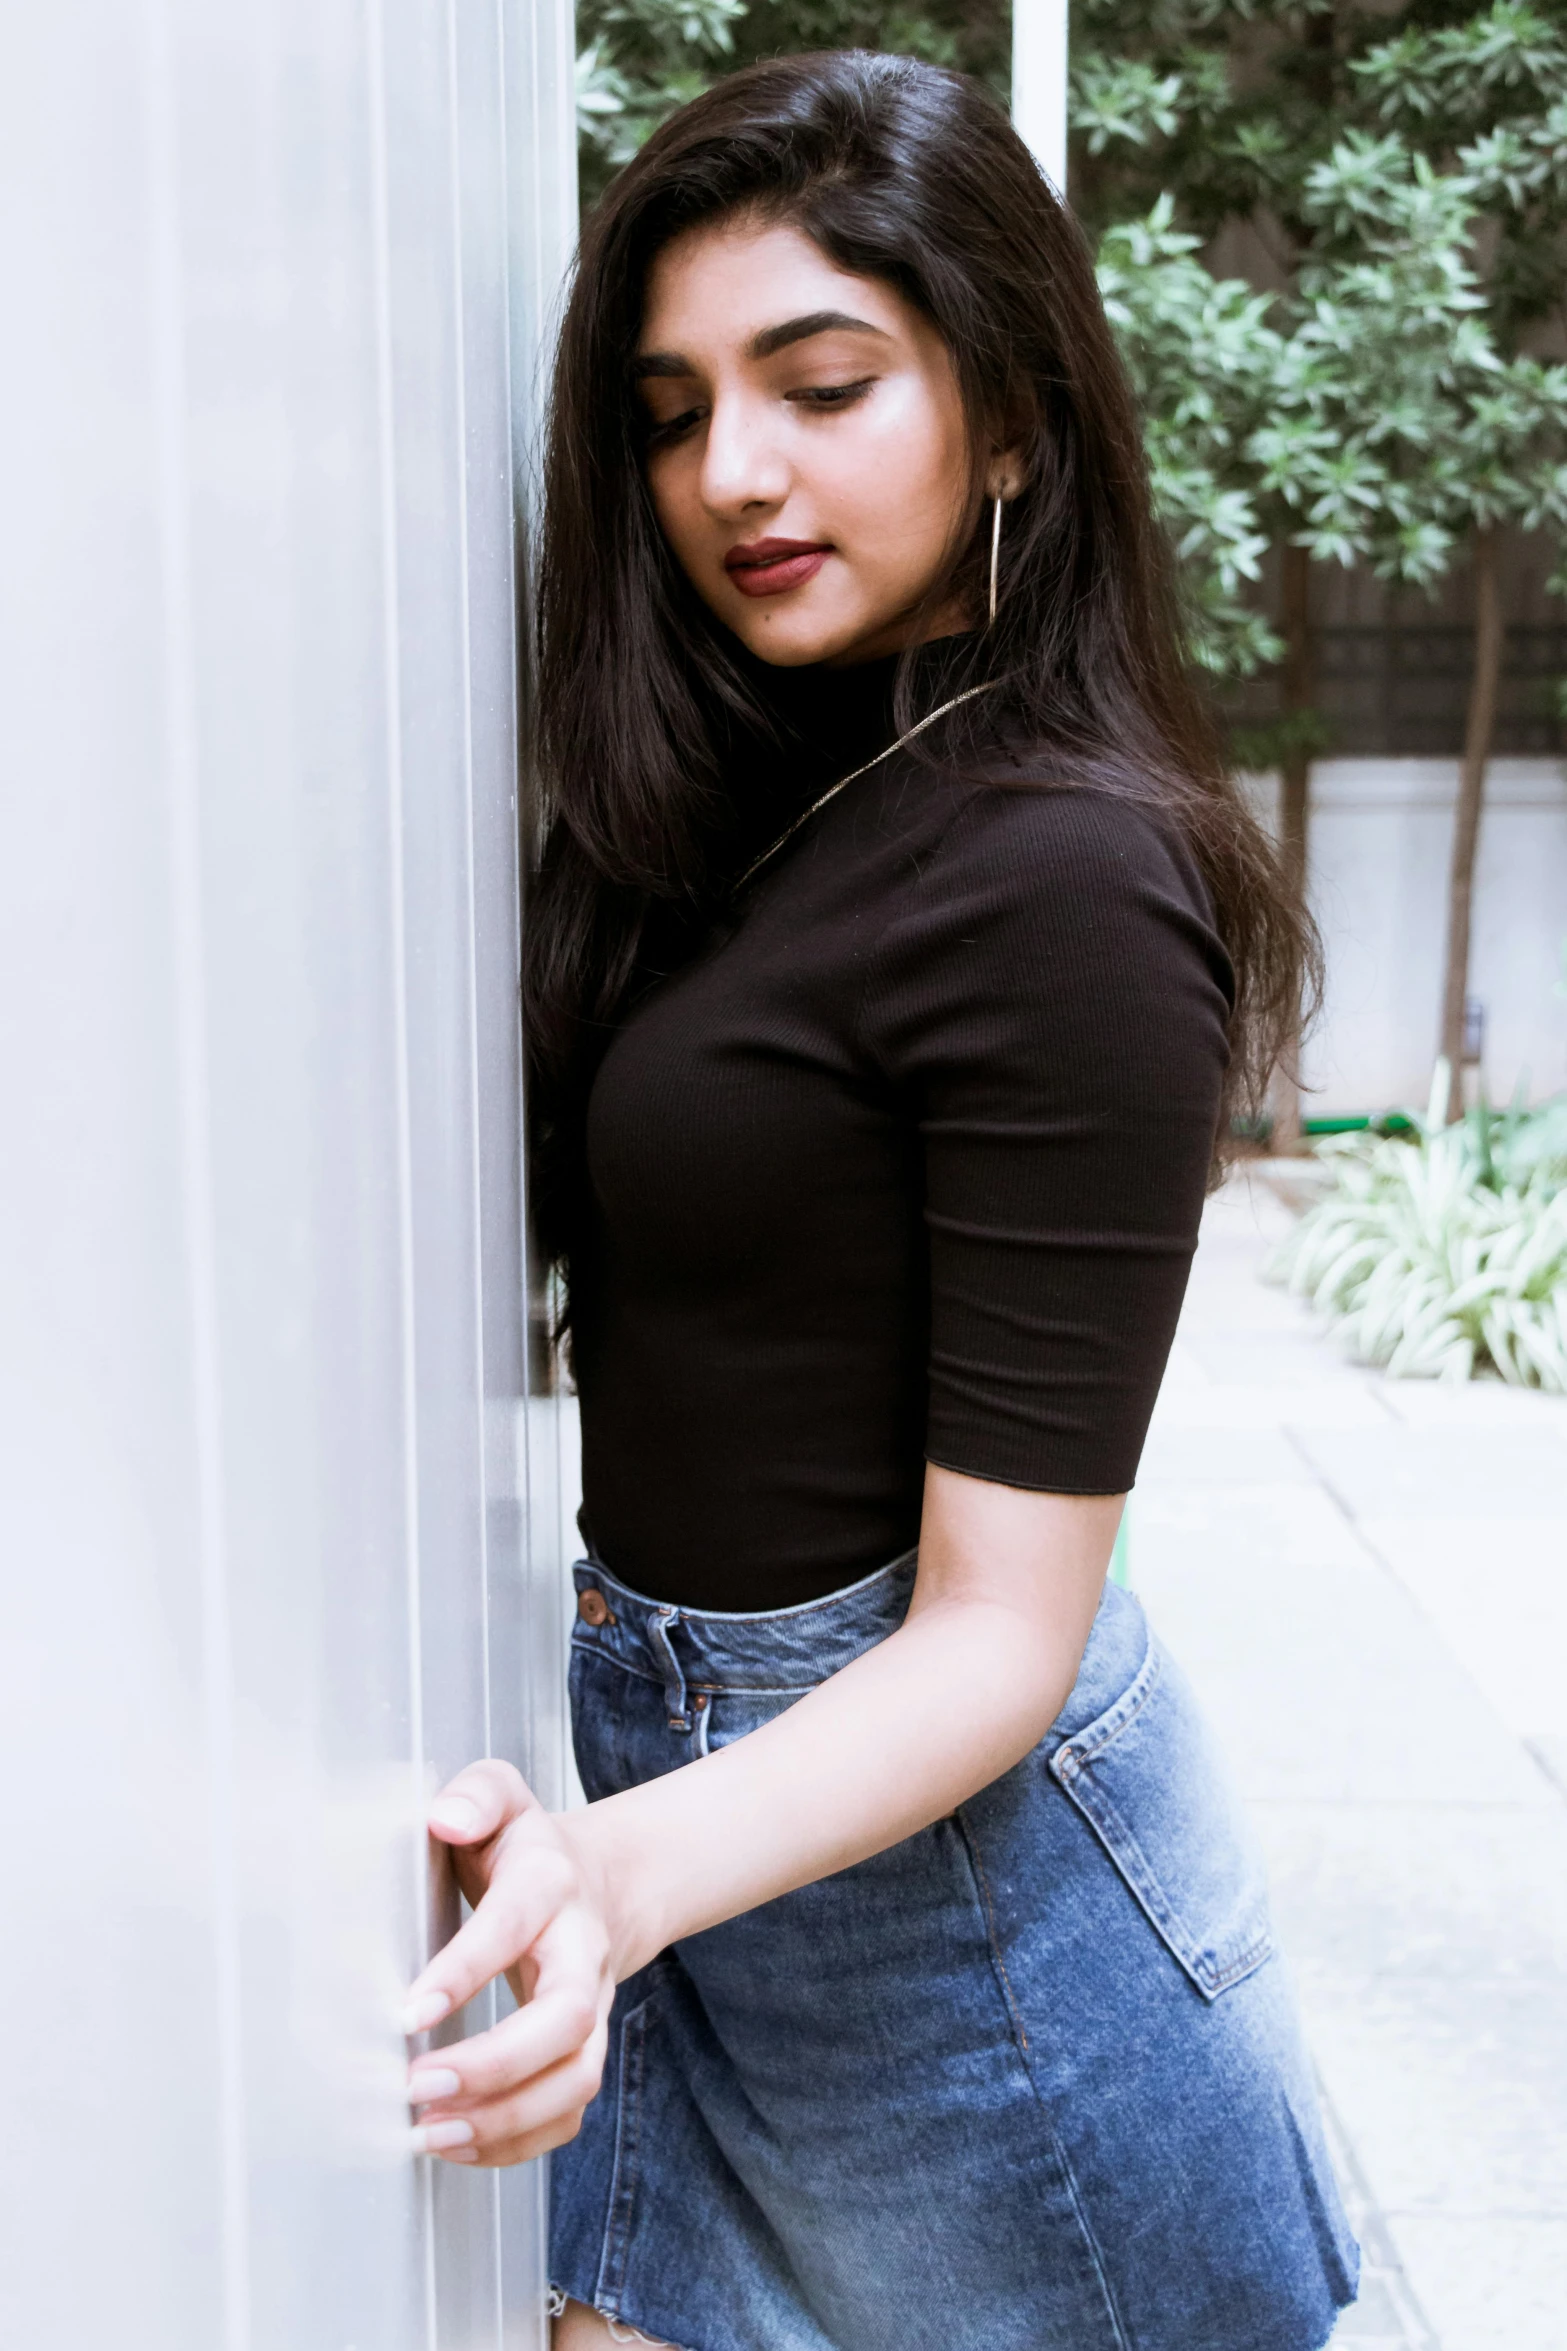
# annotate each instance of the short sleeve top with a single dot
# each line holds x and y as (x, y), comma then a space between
(906, 1163)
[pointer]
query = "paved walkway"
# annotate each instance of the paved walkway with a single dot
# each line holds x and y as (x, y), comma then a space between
(1367, 1579)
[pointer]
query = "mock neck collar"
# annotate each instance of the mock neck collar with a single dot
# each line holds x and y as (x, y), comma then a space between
(829, 719)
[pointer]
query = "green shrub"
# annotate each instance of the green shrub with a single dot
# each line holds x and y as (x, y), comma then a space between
(1442, 1253)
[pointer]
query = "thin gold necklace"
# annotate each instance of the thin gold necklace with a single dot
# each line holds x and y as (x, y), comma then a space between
(855, 774)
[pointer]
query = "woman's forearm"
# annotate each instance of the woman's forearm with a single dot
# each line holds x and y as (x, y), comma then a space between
(893, 1742)
(898, 1739)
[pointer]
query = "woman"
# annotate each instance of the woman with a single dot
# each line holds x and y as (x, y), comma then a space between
(897, 955)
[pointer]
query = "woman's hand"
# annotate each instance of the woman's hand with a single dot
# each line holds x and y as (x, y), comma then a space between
(520, 2088)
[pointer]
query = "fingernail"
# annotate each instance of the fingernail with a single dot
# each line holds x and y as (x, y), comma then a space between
(438, 2081)
(455, 1812)
(434, 2138)
(427, 2010)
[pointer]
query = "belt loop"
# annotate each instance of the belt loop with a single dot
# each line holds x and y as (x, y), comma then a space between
(674, 1675)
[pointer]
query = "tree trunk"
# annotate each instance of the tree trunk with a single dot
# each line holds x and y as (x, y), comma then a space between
(1478, 735)
(1294, 788)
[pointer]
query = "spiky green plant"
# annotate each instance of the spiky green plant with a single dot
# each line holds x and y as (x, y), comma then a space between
(1442, 1253)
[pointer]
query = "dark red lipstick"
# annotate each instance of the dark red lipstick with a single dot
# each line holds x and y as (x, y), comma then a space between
(767, 567)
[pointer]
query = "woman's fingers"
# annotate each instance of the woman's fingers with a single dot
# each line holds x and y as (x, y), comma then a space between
(530, 1881)
(571, 1996)
(499, 2097)
(520, 2088)
(550, 2106)
(552, 2026)
(522, 2150)
(480, 1802)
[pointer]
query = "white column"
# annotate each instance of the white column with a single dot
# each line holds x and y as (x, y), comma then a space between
(1039, 50)
(275, 278)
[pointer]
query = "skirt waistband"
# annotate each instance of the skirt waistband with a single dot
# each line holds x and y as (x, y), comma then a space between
(775, 1649)
(695, 1653)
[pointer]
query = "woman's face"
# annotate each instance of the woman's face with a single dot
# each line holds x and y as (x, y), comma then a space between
(807, 450)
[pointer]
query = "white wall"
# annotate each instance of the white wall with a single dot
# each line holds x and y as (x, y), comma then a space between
(1380, 837)
(279, 1538)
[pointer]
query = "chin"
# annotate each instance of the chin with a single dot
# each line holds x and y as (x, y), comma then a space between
(779, 656)
(793, 642)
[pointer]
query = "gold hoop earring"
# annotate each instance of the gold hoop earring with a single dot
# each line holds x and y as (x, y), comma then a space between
(995, 556)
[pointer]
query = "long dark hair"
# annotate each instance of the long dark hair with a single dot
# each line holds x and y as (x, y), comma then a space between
(909, 174)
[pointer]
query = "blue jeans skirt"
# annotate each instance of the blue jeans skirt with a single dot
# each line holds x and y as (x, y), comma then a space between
(1030, 2081)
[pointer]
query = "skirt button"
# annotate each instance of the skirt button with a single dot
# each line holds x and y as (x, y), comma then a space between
(592, 1607)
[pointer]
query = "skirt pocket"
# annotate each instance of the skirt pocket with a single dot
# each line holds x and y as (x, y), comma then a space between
(1146, 1777)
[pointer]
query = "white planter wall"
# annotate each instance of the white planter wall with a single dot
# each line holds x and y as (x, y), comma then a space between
(1380, 838)
(279, 1529)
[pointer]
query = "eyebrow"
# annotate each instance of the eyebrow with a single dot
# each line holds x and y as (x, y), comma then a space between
(765, 344)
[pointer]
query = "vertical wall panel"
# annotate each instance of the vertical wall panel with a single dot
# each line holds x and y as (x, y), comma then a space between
(540, 80)
(271, 1536)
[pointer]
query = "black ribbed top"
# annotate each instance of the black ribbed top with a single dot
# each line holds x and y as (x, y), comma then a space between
(905, 1163)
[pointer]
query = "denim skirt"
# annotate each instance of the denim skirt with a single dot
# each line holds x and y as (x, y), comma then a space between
(1029, 2081)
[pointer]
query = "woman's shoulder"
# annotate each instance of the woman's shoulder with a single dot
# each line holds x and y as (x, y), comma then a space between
(1032, 830)
(1035, 881)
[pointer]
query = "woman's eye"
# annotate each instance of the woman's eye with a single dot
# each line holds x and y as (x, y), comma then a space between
(663, 430)
(832, 395)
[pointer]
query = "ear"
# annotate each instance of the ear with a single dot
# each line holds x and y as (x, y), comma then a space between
(1012, 429)
(1005, 475)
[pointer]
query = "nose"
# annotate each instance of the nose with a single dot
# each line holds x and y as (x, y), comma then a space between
(743, 466)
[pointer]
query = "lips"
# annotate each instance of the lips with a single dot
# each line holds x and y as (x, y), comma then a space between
(770, 567)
